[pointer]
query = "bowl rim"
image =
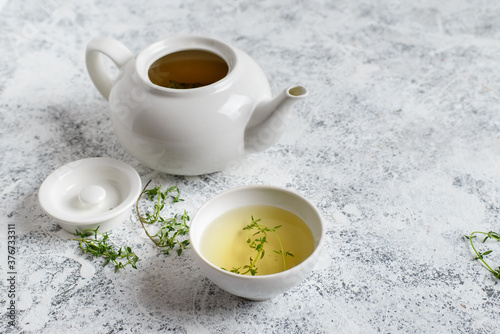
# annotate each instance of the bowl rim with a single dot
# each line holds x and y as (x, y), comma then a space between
(318, 245)
(126, 170)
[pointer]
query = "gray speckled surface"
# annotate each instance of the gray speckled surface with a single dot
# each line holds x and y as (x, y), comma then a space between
(398, 145)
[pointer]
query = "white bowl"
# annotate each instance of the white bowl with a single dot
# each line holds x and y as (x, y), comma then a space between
(90, 193)
(265, 286)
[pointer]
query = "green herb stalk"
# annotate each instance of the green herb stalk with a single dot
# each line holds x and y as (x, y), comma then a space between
(257, 243)
(172, 229)
(99, 247)
(480, 255)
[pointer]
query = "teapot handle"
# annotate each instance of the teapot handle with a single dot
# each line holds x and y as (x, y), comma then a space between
(115, 51)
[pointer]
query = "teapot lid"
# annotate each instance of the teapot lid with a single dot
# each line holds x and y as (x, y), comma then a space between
(89, 193)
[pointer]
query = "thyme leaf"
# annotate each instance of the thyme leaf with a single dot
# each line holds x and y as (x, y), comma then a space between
(173, 231)
(480, 255)
(257, 242)
(98, 246)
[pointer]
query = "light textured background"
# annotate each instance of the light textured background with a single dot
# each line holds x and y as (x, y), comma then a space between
(398, 145)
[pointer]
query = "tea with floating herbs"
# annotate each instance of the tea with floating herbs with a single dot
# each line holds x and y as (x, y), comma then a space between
(257, 240)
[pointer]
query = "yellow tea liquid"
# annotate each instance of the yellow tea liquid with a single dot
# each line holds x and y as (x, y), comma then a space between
(187, 69)
(225, 244)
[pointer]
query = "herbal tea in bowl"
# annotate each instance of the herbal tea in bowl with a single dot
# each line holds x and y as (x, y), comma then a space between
(258, 241)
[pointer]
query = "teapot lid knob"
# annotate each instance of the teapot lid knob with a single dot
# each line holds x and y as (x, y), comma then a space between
(92, 195)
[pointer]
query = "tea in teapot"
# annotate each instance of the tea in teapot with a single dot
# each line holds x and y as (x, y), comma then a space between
(187, 69)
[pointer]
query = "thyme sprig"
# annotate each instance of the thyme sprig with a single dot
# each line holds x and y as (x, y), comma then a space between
(480, 255)
(257, 242)
(172, 229)
(99, 247)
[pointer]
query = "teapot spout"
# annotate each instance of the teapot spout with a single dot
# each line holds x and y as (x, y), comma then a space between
(269, 119)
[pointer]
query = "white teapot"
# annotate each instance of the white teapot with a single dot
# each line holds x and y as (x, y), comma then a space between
(189, 105)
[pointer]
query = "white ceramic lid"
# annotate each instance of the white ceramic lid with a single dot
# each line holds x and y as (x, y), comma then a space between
(90, 191)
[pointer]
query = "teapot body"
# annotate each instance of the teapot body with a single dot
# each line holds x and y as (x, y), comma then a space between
(182, 131)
